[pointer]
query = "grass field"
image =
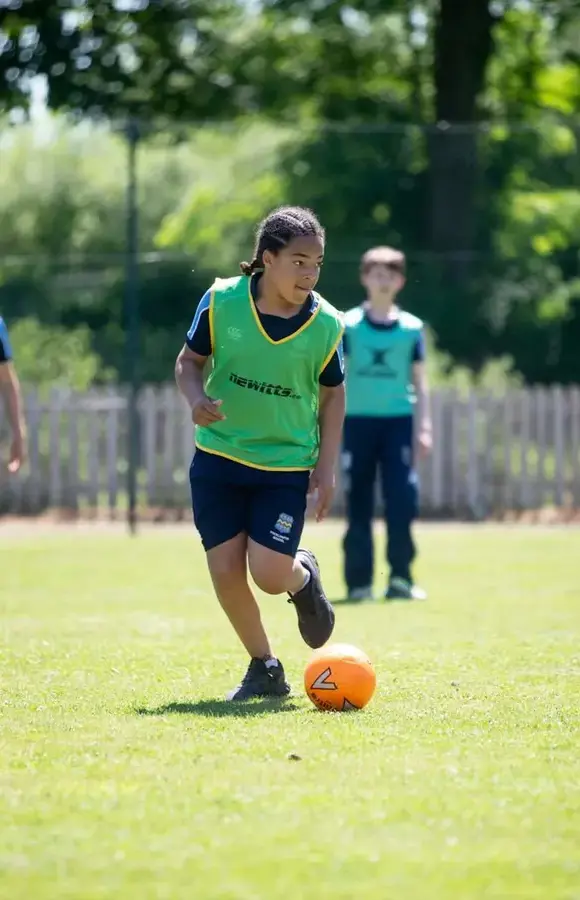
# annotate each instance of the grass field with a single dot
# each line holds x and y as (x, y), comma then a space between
(124, 775)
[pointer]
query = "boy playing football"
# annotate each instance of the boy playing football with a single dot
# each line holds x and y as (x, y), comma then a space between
(269, 418)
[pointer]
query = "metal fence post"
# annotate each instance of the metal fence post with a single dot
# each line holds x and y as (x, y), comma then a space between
(132, 324)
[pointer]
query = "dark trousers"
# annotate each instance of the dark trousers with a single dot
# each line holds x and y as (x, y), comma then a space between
(385, 444)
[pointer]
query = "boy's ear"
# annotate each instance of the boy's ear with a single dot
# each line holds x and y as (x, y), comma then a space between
(267, 258)
(401, 281)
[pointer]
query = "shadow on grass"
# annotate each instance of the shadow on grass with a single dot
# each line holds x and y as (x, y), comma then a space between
(216, 709)
(346, 601)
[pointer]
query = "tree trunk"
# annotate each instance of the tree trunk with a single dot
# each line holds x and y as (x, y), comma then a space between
(462, 48)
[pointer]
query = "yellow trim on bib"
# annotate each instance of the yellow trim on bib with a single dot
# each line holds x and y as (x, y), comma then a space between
(261, 328)
(243, 462)
(332, 352)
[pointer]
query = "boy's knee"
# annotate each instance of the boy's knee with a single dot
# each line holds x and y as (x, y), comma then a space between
(271, 577)
(270, 571)
(227, 562)
(270, 581)
(227, 579)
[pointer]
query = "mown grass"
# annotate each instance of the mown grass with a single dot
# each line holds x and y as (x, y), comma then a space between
(123, 774)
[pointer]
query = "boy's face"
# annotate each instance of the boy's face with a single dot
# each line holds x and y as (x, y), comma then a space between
(382, 280)
(295, 270)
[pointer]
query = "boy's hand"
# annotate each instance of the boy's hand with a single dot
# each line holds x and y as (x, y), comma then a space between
(206, 411)
(322, 482)
(17, 453)
(425, 442)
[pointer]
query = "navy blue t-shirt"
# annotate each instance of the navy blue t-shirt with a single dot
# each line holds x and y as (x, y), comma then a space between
(5, 348)
(276, 327)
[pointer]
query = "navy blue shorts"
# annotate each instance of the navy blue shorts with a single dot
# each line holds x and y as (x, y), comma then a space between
(229, 498)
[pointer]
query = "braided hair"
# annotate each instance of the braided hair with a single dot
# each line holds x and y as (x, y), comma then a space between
(278, 229)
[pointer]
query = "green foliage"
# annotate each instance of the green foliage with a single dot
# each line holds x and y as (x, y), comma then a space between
(488, 212)
(62, 237)
(495, 376)
(49, 356)
(217, 218)
(545, 221)
(64, 189)
(114, 59)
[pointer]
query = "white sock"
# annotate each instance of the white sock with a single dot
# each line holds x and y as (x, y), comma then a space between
(304, 583)
(271, 662)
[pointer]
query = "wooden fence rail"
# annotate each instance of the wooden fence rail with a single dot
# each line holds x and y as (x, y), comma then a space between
(492, 454)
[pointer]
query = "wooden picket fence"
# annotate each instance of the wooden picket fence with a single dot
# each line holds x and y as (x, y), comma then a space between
(492, 454)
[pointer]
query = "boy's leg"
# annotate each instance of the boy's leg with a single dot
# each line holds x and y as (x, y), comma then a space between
(265, 674)
(220, 514)
(360, 452)
(401, 496)
(278, 566)
(227, 567)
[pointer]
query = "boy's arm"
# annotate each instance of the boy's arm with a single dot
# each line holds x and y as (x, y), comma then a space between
(189, 378)
(189, 375)
(331, 406)
(10, 389)
(425, 425)
(190, 364)
(331, 419)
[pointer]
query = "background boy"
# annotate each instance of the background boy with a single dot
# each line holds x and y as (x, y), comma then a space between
(386, 380)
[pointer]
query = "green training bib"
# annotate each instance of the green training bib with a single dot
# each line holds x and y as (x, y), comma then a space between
(269, 389)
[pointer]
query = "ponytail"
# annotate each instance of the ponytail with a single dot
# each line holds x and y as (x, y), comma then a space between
(248, 269)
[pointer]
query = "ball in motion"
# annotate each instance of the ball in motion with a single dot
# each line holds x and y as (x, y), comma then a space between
(340, 677)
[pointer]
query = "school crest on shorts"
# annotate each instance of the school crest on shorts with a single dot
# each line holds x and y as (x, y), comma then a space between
(284, 523)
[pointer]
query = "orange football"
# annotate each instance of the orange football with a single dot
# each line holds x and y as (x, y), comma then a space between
(340, 677)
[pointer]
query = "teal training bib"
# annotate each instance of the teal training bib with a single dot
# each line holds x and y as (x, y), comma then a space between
(379, 375)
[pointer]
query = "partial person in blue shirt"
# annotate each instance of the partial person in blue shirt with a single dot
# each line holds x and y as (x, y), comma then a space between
(387, 417)
(10, 390)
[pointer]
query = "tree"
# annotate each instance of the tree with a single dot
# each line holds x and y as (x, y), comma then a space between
(52, 356)
(62, 240)
(160, 57)
(443, 126)
(432, 127)
(462, 46)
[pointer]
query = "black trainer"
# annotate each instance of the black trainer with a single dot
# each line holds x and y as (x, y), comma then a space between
(261, 681)
(315, 614)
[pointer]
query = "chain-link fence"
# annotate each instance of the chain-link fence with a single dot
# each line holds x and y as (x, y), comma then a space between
(489, 219)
